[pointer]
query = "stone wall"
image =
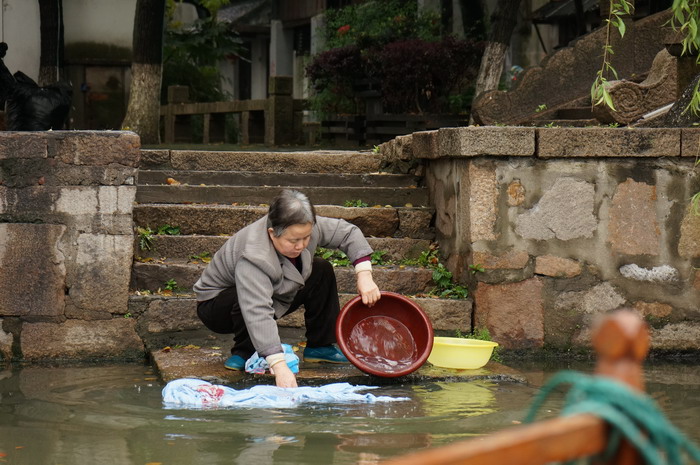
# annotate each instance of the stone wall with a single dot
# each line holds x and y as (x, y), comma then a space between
(66, 244)
(568, 223)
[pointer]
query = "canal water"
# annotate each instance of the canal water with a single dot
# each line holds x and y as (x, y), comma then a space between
(114, 415)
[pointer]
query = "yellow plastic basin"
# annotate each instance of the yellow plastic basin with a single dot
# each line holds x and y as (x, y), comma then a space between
(460, 353)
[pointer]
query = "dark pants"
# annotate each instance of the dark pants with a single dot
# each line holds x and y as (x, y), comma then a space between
(319, 296)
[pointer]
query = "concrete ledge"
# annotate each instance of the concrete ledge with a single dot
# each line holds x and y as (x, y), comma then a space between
(608, 142)
(207, 363)
(485, 141)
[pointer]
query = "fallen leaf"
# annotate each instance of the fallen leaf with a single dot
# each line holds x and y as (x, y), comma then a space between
(409, 205)
(172, 182)
(166, 349)
(41, 181)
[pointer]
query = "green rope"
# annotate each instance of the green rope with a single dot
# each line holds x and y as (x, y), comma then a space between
(631, 415)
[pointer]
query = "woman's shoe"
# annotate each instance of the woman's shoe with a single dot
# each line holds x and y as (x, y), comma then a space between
(235, 362)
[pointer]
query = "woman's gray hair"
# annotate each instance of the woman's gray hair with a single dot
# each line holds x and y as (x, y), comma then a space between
(289, 207)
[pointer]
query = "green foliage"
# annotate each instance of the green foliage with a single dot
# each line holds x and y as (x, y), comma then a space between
(146, 234)
(170, 285)
(540, 108)
(376, 23)
(355, 203)
(167, 230)
(204, 257)
(145, 238)
(599, 90)
(335, 257)
(446, 288)
(191, 55)
(376, 149)
(476, 268)
(377, 257)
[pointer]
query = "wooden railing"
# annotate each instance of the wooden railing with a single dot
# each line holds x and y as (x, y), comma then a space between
(276, 120)
(621, 343)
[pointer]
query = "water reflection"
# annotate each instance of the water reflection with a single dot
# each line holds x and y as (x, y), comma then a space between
(114, 415)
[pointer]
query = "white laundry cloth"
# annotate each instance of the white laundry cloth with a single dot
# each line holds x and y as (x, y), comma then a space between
(195, 393)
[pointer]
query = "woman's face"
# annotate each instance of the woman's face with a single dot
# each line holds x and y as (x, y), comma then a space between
(293, 240)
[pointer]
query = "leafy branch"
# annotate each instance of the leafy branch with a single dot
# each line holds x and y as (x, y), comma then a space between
(599, 89)
(686, 17)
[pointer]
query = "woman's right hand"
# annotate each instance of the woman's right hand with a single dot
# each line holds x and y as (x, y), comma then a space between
(284, 377)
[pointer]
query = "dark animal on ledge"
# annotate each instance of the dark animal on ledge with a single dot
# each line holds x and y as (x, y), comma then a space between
(29, 107)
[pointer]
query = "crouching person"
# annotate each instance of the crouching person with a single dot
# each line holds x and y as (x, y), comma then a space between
(267, 270)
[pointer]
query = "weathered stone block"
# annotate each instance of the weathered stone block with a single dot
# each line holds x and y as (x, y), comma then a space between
(513, 313)
(689, 243)
(690, 142)
(611, 142)
(165, 315)
(653, 309)
(415, 223)
(102, 268)
(511, 260)
(33, 273)
(659, 274)
(677, 336)
(633, 228)
(557, 267)
(153, 159)
(77, 339)
(425, 144)
(483, 203)
(96, 148)
(565, 212)
(487, 140)
(599, 299)
(22, 145)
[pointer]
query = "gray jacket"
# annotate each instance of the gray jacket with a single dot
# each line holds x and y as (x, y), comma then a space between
(265, 281)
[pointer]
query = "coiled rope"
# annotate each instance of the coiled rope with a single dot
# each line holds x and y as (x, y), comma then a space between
(631, 415)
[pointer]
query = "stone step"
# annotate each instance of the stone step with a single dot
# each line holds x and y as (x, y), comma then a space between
(394, 196)
(162, 314)
(336, 161)
(404, 280)
(247, 178)
(184, 247)
(215, 220)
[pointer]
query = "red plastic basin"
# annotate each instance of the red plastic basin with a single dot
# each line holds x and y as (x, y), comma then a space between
(392, 338)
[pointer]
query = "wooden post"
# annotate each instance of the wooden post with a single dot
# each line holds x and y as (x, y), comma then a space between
(205, 131)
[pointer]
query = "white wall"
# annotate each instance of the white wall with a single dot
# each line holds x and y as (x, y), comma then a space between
(103, 21)
(19, 28)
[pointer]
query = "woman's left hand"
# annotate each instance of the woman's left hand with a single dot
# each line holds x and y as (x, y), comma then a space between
(367, 288)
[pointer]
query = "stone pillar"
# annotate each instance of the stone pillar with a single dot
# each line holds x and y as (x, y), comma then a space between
(66, 244)
(279, 115)
(281, 49)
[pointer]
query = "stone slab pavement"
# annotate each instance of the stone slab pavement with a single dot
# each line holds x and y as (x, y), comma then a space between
(207, 363)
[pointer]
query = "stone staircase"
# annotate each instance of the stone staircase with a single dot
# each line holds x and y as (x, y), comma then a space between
(211, 195)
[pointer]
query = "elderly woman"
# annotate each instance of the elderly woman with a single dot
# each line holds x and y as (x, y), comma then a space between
(267, 270)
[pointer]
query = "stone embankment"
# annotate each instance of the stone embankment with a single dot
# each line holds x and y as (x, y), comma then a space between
(549, 227)
(567, 224)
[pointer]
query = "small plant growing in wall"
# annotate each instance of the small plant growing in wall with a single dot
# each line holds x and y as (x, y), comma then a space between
(355, 203)
(482, 334)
